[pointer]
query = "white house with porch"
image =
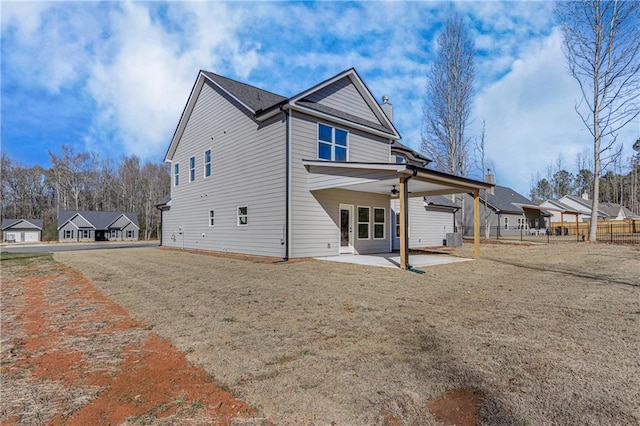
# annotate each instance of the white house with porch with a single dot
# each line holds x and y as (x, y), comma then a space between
(304, 176)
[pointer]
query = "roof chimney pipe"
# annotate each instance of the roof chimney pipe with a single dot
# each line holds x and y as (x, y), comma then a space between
(387, 108)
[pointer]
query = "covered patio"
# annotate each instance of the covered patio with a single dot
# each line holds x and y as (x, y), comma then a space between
(400, 181)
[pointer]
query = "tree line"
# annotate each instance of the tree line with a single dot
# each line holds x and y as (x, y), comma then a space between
(83, 181)
(620, 184)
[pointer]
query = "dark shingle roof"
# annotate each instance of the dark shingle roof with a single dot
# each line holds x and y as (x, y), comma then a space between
(8, 223)
(403, 149)
(255, 98)
(163, 202)
(503, 199)
(100, 220)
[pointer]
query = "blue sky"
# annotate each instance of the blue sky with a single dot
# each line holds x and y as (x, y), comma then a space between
(114, 77)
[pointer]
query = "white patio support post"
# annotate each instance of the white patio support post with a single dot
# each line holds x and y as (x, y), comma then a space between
(404, 234)
(476, 223)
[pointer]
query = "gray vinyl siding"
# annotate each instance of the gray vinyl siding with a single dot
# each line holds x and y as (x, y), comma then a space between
(315, 224)
(248, 167)
(129, 227)
(68, 226)
(343, 96)
(427, 227)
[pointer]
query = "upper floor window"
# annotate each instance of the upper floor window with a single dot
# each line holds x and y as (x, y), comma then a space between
(212, 218)
(176, 174)
(192, 169)
(207, 163)
(333, 143)
(400, 159)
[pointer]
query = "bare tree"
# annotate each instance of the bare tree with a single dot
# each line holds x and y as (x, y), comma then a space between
(484, 165)
(449, 98)
(602, 47)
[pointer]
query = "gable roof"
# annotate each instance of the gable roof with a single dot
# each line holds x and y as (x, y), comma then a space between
(506, 200)
(385, 125)
(614, 209)
(99, 220)
(26, 224)
(584, 204)
(254, 98)
(262, 104)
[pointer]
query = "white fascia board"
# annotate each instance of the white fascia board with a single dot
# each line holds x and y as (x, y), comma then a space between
(347, 123)
(346, 165)
(184, 118)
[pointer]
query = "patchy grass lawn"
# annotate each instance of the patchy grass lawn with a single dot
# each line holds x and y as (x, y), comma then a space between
(538, 334)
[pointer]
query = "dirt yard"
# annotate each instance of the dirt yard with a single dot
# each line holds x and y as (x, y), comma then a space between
(540, 334)
(72, 356)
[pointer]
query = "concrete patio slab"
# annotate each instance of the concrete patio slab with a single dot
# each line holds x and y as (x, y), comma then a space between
(391, 260)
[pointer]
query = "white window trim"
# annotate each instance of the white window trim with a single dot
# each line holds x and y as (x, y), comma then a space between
(204, 167)
(192, 170)
(212, 216)
(176, 174)
(383, 223)
(333, 141)
(506, 222)
(245, 215)
(358, 223)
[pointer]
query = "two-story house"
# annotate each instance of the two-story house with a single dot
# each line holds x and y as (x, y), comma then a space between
(306, 176)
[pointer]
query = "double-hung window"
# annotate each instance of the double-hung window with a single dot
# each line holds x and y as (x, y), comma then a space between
(364, 216)
(333, 143)
(207, 163)
(129, 233)
(378, 223)
(211, 218)
(176, 174)
(243, 216)
(192, 169)
(68, 233)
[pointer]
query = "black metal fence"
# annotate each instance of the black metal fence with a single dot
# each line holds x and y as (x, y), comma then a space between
(627, 232)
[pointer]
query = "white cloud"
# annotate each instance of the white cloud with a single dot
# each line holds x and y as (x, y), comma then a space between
(530, 114)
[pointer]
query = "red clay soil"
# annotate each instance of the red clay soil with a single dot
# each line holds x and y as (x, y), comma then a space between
(72, 356)
(458, 407)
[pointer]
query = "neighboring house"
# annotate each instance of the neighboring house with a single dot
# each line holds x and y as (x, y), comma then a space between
(582, 205)
(76, 225)
(311, 175)
(616, 211)
(22, 230)
(507, 213)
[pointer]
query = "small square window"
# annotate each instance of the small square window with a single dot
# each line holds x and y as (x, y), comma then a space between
(243, 216)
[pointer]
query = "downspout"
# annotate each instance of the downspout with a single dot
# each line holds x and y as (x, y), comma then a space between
(287, 214)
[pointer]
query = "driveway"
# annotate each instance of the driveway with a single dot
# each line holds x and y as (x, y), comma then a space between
(57, 247)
